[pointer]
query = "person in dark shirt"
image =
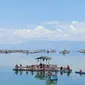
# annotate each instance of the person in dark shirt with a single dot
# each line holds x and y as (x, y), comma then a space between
(41, 65)
(61, 68)
(16, 66)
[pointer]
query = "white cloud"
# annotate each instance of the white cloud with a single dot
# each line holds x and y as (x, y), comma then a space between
(74, 22)
(74, 31)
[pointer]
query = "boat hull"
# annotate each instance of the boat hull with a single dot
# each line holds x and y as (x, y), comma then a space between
(80, 72)
(34, 70)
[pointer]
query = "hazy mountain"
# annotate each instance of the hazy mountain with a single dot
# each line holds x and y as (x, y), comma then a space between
(41, 44)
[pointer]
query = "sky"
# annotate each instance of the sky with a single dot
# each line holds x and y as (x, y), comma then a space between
(23, 20)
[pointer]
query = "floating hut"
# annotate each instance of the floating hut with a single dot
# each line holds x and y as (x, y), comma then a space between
(82, 51)
(65, 52)
(43, 65)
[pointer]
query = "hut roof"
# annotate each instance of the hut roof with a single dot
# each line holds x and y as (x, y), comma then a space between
(44, 57)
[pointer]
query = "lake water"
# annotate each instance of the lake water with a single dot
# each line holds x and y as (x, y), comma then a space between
(8, 77)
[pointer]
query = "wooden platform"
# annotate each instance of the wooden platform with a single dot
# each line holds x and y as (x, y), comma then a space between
(35, 70)
(41, 69)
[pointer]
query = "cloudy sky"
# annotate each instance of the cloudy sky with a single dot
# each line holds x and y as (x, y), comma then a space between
(56, 20)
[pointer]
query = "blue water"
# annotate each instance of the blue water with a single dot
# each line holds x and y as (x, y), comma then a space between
(9, 77)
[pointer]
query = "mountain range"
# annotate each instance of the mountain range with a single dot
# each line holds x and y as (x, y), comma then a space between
(44, 44)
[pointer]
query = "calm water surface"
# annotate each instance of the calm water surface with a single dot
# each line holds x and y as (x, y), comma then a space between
(9, 77)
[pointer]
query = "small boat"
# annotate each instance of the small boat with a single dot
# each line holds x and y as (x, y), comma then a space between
(78, 72)
(53, 77)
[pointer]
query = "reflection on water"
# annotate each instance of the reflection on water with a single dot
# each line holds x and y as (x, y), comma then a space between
(40, 78)
(26, 72)
(42, 75)
(20, 72)
(68, 73)
(16, 72)
(32, 72)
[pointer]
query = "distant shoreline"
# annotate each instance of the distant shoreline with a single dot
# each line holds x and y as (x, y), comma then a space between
(28, 51)
(6, 51)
